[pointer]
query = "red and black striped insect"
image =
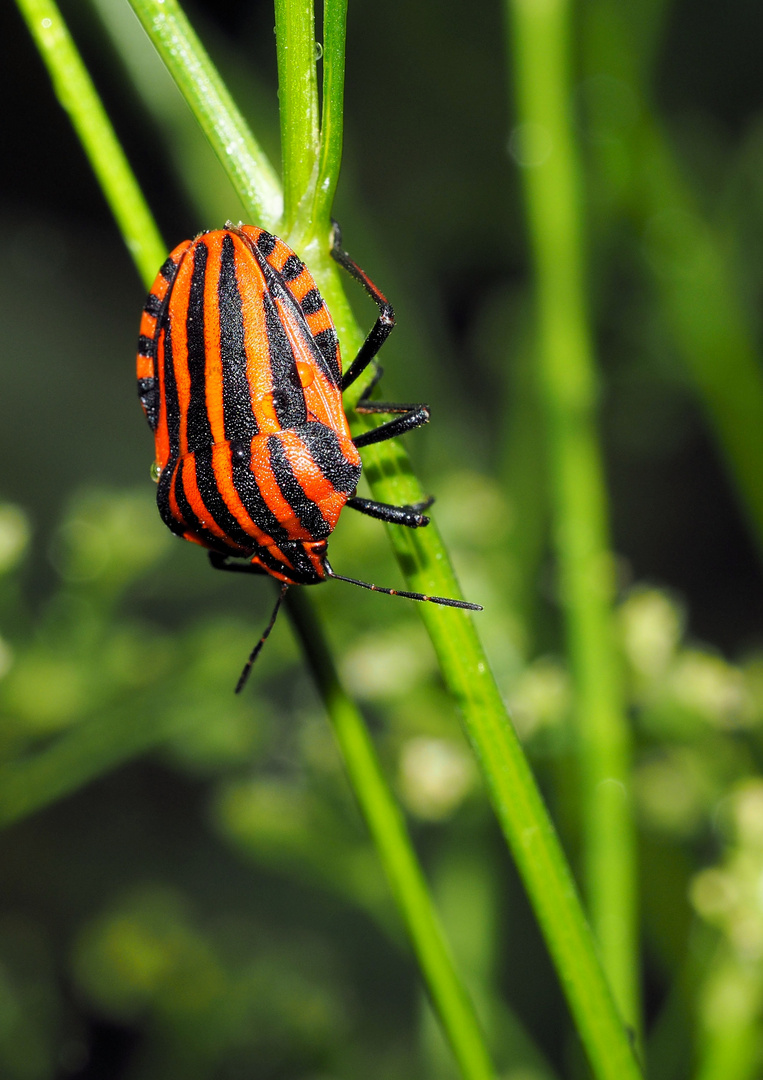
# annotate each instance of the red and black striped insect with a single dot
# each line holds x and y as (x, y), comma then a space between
(240, 378)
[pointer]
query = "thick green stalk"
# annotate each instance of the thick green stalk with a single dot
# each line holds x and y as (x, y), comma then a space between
(540, 58)
(197, 78)
(514, 794)
(76, 93)
(298, 106)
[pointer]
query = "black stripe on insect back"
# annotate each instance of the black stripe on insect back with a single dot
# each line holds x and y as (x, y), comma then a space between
(312, 302)
(163, 502)
(240, 422)
(328, 343)
(292, 268)
(148, 393)
(171, 394)
(323, 444)
(266, 243)
(288, 395)
(153, 305)
(168, 270)
(305, 510)
(199, 432)
(146, 345)
(194, 524)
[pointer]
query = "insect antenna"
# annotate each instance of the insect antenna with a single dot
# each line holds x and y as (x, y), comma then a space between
(256, 650)
(445, 601)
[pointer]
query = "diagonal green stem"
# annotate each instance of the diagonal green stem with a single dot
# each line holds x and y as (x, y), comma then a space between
(540, 52)
(198, 80)
(76, 93)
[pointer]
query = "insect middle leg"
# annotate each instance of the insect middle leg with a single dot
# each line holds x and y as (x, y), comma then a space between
(411, 515)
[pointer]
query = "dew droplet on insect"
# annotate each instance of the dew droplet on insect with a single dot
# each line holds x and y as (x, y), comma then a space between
(156, 471)
(306, 372)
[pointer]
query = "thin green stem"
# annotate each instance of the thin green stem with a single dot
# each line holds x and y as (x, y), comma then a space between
(332, 111)
(298, 107)
(77, 94)
(198, 80)
(540, 56)
(689, 261)
(387, 828)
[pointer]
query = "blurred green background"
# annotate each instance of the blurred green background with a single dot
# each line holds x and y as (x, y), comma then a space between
(186, 888)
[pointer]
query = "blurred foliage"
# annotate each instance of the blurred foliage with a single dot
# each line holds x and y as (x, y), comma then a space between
(186, 888)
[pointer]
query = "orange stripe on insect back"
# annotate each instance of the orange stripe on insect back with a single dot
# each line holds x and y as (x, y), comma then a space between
(178, 314)
(223, 469)
(213, 362)
(272, 493)
(145, 367)
(251, 285)
(187, 465)
(148, 325)
(312, 481)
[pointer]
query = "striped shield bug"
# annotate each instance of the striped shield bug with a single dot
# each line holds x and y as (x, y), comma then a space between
(240, 378)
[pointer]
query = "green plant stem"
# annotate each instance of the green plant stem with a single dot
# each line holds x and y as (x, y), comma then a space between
(197, 78)
(514, 794)
(387, 828)
(332, 110)
(76, 93)
(540, 40)
(690, 264)
(298, 105)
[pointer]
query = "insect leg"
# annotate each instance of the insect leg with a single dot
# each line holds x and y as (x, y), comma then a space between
(384, 324)
(220, 562)
(411, 516)
(411, 416)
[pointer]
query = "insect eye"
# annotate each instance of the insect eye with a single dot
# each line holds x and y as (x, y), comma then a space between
(239, 453)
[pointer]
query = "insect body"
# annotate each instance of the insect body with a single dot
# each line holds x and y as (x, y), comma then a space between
(240, 378)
